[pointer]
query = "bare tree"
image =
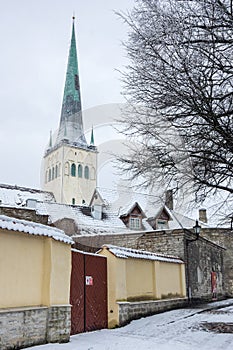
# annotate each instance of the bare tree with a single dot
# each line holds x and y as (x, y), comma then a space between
(180, 82)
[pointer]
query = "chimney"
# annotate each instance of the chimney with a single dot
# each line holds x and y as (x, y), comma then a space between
(169, 199)
(203, 215)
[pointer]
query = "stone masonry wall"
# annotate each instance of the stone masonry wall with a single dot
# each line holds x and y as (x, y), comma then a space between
(24, 327)
(224, 237)
(202, 258)
(24, 214)
(165, 242)
(94, 243)
(129, 311)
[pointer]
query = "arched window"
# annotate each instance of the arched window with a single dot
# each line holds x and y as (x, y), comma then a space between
(67, 169)
(56, 171)
(86, 172)
(80, 170)
(53, 172)
(50, 175)
(92, 173)
(73, 170)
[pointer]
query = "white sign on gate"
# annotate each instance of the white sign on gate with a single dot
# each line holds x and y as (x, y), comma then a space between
(89, 281)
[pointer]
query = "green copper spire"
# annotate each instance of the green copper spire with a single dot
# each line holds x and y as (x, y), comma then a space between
(71, 113)
(71, 98)
(92, 143)
(50, 140)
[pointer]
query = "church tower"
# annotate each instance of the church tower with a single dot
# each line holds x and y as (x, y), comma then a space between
(69, 162)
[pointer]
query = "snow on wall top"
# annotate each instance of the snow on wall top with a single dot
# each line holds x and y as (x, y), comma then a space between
(33, 228)
(125, 253)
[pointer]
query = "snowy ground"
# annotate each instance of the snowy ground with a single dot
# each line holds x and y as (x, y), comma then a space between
(173, 330)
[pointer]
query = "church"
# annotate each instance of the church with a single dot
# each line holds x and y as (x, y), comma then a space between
(70, 162)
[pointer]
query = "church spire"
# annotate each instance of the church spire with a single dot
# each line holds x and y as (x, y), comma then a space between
(92, 143)
(71, 113)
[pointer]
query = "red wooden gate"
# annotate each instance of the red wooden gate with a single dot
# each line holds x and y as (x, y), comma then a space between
(88, 294)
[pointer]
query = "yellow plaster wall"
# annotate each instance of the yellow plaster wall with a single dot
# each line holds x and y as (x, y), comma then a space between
(60, 273)
(34, 270)
(139, 277)
(116, 286)
(169, 279)
(21, 269)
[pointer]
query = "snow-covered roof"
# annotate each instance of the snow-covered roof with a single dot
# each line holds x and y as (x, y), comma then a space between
(81, 215)
(32, 228)
(125, 253)
(16, 196)
(151, 206)
(116, 202)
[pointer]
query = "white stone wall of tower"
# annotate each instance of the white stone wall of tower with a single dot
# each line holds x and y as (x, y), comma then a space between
(66, 188)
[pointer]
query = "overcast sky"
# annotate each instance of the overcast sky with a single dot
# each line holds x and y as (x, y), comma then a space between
(35, 38)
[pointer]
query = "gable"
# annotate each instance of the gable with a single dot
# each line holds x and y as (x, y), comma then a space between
(163, 215)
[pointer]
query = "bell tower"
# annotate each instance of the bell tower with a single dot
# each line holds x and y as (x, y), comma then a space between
(70, 164)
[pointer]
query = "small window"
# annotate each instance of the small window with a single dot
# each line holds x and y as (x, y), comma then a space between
(161, 224)
(86, 172)
(56, 171)
(53, 173)
(135, 223)
(80, 170)
(73, 201)
(73, 170)
(50, 175)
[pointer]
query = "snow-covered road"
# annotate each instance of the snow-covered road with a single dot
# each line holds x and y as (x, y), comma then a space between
(173, 330)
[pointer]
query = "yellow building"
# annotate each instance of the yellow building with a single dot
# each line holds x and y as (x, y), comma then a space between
(35, 268)
(138, 280)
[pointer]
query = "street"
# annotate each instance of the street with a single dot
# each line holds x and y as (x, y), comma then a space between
(209, 326)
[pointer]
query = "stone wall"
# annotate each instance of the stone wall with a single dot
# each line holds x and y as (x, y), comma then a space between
(24, 327)
(24, 214)
(202, 258)
(224, 237)
(94, 243)
(129, 311)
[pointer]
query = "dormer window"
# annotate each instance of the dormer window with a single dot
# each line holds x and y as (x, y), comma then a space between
(161, 224)
(135, 223)
(133, 217)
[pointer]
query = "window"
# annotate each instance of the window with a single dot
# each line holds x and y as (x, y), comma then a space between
(134, 223)
(53, 172)
(73, 201)
(73, 170)
(56, 171)
(50, 175)
(161, 224)
(80, 170)
(86, 172)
